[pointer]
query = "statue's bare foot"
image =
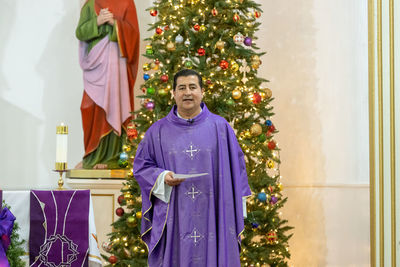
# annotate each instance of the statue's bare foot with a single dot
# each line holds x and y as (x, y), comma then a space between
(79, 165)
(100, 166)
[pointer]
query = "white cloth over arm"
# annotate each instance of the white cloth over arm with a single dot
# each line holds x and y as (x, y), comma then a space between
(161, 190)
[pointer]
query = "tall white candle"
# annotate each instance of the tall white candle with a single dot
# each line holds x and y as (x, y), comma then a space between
(61, 147)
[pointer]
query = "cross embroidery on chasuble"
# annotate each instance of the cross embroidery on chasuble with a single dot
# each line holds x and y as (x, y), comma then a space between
(191, 150)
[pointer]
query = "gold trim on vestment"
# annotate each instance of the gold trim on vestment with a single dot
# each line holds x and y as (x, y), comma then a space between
(94, 256)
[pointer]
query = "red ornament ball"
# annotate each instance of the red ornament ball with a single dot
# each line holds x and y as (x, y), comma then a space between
(224, 64)
(272, 237)
(257, 14)
(271, 145)
(113, 259)
(164, 78)
(159, 30)
(214, 12)
(256, 98)
(196, 27)
(269, 133)
(201, 51)
(131, 131)
(166, 28)
(120, 199)
(157, 62)
(272, 128)
(209, 82)
(153, 12)
(119, 212)
(236, 18)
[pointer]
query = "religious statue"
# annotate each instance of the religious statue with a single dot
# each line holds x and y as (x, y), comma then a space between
(109, 53)
(195, 221)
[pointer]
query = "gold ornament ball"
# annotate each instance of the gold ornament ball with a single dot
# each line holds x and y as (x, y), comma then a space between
(236, 94)
(146, 67)
(154, 66)
(131, 221)
(203, 28)
(256, 129)
(234, 66)
(130, 173)
(247, 134)
(171, 46)
(255, 58)
(127, 195)
(255, 65)
(130, 202)
(139, 214)
(270, 164)
(162, 92)
(280, 186)
(262, 94)
(268, 93)
(220, 44)
(126, 148)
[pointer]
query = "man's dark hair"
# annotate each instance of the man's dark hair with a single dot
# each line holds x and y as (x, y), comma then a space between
(185, 73)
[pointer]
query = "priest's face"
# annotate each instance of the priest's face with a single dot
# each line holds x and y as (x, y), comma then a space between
(188, 95)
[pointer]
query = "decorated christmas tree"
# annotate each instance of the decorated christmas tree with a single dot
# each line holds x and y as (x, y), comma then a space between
(217, 39)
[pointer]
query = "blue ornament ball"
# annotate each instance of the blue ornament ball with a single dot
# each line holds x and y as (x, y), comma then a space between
(268, 122)
(262, 197)
(123, 156)
(146, 76)
(254, 225)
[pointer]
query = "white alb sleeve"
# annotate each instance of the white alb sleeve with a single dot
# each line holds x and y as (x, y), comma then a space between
(161, 190)
(244, 207)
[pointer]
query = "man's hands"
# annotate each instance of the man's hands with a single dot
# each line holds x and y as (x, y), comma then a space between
(105, 16)
(171, 181)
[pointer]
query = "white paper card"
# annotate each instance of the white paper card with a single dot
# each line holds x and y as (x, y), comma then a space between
(187, 176)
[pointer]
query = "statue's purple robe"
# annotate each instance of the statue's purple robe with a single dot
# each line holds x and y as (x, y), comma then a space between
(202, 223)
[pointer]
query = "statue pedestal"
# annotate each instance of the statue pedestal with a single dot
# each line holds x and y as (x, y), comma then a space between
(105, 186)
(96, 179)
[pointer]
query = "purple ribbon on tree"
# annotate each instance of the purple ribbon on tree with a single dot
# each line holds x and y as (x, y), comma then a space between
(6, 226)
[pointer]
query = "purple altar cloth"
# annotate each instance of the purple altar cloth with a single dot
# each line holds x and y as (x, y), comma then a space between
(59, 228)
(201, 225)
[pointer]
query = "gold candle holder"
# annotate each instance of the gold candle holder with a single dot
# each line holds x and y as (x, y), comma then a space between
(60, 179)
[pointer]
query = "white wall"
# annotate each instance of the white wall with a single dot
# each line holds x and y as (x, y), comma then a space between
(40, 86)
(317, 65)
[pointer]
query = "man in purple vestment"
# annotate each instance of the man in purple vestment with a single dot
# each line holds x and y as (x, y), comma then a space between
(195, 221)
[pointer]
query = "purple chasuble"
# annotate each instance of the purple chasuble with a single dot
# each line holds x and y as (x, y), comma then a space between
(59, 228)
(201, 225)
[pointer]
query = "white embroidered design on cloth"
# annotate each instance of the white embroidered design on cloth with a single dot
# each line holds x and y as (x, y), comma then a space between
(67, 255)
(193, 192)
